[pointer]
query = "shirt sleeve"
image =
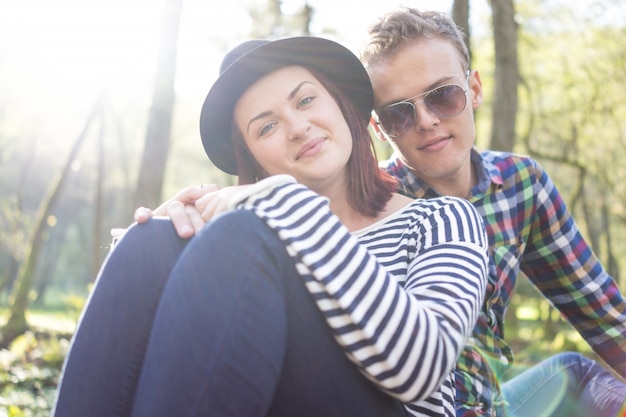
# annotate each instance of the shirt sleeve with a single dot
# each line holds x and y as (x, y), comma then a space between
(563, 267)
(405, 339)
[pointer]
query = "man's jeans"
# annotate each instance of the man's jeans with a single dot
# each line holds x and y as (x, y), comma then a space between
(220, 325)
(565, 385)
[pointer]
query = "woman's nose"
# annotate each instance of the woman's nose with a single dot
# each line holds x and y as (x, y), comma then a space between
(298, 127)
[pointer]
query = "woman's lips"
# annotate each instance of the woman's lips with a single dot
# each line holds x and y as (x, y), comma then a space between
(311, 148)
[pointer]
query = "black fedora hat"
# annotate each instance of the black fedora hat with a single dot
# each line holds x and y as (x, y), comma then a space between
(251, 60)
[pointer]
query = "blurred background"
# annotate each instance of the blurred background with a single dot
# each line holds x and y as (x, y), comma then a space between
(85, 85)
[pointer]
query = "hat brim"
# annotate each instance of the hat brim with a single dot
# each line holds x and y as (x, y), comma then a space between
(333, 60)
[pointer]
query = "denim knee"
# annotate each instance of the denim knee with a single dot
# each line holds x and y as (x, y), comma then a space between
(116, 323)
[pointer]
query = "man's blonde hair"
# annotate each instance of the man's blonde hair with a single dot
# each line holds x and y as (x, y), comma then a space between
(396, 28)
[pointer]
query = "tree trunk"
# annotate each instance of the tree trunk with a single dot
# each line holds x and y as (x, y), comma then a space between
(9, 277)
(612, 265)
(98, 254)
(157, 140)
(16, 325)
(506, 75)
(461, 15)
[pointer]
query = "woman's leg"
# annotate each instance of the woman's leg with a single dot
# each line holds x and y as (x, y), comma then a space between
(237, 334)
(102, 367)
(565, 385)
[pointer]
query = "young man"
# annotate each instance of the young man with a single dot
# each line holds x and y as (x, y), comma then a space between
(425, 96)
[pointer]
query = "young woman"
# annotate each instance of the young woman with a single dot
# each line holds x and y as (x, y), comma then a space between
(320, 292)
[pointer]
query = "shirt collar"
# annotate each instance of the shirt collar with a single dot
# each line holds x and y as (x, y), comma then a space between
(487, 173)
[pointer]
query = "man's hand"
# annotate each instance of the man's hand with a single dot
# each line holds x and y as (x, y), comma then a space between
(181, 209)
(216, 202)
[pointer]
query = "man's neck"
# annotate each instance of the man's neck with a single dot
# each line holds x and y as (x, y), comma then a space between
(459, 185)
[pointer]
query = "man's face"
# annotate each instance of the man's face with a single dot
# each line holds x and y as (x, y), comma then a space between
(435, 148)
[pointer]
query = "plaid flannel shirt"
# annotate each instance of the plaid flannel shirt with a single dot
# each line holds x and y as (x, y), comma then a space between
(530, 232)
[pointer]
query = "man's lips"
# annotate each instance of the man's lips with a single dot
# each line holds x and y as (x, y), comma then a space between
(435, 144)
(310, 148)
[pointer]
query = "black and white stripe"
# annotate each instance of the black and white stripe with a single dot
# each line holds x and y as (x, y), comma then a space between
(402, 315)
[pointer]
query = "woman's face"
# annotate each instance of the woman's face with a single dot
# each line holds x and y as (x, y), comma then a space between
(292, 125)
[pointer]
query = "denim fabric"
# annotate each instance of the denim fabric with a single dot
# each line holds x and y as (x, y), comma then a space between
(219, 326)
(105, 357)
(565, 385)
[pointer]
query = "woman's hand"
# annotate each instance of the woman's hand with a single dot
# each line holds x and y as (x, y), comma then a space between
(190, 208)
(181, 209)
(217, 202)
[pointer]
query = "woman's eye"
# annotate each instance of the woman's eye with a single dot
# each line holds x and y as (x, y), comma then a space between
(266, 128)
(306, 100)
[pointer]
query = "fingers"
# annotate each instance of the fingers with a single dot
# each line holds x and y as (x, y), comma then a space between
(181, 216)
(195, 218)
(142, 215)
(181, 209)
(214, 207)
(191, 207)
(217, 202)
(186, 196)
(207, 188)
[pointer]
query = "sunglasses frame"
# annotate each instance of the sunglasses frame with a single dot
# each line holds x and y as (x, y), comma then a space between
(411, 101)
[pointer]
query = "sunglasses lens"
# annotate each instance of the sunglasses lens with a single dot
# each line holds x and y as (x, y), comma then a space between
(446, 101)
(397, 119)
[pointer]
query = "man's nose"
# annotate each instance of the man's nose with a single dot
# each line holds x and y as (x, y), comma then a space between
(424, 118)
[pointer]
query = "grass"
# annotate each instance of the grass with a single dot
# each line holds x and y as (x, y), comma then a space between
(30, 368)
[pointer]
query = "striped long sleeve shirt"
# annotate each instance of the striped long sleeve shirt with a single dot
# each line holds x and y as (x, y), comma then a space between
(400, 296)
(532, 233)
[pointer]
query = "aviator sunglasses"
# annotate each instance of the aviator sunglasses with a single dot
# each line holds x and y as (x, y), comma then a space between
(445, 101)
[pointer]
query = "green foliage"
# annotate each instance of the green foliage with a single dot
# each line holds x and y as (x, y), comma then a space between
(535, 329)
(572, 116)
(75, 304)
(29, 373)
(573, 119)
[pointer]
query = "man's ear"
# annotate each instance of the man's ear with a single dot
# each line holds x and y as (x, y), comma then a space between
(476, 86)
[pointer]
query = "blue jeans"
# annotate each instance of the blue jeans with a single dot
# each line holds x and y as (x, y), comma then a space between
(565, 385)
(220, 325)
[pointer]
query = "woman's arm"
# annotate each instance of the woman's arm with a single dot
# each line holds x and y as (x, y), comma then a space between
(405, 339)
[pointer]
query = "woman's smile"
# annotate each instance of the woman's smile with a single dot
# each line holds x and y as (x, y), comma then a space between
(311, 148)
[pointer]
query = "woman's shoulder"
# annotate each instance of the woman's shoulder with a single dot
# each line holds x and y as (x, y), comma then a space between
(449, 214)
(422, 214)
(404, 207)
(443, 203)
